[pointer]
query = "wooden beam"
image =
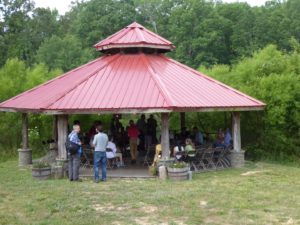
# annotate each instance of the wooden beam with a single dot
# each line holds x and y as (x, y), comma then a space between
(25, 144)
(182, 120)
(130, 111)
(236, 129)
(62, 132)
(165, 140)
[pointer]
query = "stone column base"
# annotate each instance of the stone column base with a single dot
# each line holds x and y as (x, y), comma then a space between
(61, 168)
(25, 157)
(237, 159)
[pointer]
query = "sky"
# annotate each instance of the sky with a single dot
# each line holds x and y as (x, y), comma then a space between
(64, 5)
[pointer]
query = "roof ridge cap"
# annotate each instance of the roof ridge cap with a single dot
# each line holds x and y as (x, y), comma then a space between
(81, 81)
(213, 80)
(158, 82)
(139, 33)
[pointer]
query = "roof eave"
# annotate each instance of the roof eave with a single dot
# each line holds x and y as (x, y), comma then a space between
(134, 45)
(134, 110)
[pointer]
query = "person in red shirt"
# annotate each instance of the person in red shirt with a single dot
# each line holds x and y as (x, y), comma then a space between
(133, 133)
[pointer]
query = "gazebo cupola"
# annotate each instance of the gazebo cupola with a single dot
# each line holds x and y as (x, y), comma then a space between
(134, 38)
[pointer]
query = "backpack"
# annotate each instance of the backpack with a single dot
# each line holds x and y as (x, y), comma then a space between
(72, 147)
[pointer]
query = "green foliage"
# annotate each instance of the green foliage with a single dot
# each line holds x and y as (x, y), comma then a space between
(64, 53)
(40, 165)
(178, 165)
(16, 77)
(273, 77)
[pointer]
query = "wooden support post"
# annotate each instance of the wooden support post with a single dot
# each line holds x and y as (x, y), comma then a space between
(182, 120)
(62, 132)
(24, 131)
(165, 140)
(25, 154)
(236, 129)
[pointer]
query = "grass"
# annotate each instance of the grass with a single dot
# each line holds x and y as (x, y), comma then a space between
(257, 194)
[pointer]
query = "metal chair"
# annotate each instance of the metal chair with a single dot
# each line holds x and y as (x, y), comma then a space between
(218, 156)
(86, 158)
(208, 159)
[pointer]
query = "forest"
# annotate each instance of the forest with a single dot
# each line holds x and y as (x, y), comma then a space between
(253, 49)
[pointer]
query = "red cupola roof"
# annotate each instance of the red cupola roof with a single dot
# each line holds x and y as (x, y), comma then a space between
(134, 36)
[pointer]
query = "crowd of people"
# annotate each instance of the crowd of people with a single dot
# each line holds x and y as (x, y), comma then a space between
(138, 136)
(110, 146)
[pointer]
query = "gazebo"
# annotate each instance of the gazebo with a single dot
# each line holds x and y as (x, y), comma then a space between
(132, 76)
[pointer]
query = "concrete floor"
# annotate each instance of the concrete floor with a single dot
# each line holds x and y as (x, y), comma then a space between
(129, 171)
(124, 172)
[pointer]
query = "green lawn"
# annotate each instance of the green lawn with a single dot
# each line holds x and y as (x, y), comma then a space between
(257, 194)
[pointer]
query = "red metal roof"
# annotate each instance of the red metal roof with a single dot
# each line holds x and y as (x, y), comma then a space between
(134, 35)
(123, 83)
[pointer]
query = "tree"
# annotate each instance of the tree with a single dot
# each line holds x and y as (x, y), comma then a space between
(16, 77)
(273, 77)
(63, 53)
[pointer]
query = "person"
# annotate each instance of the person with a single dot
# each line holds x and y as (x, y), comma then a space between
(100, 144)
(220, 139)
(92, 132)
(198, 136)
(115, 125)
(151, 128)
(184, 134)
(121, 140)
(189, 147)
(178, 151)
(76, 122)
(74, 159)
(133, 134)
(112, 152)
(142, 126)
(227, 138)
(157, 154)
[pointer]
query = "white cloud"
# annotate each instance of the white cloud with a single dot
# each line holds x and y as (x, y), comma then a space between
(64, 5)
(61, 5)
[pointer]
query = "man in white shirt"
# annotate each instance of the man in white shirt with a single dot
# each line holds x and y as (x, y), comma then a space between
(112, 152)
(100, 144)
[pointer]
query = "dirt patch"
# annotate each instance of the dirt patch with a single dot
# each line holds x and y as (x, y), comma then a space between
(203, 203)
(103, 208)
(249, 173)
(149, 208)
(289, 222)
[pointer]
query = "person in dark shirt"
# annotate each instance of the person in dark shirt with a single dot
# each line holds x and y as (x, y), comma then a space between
(151, 128)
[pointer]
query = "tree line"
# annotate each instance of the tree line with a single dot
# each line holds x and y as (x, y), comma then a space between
(255, 49)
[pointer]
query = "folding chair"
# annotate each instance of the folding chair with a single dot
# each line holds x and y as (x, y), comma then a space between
(218, 155)
(224, 158)
(85, 161)
(198, 159)
(208, 157)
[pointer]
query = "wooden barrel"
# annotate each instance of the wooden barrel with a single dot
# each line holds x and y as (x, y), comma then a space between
(41, 173)
(178, 173)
